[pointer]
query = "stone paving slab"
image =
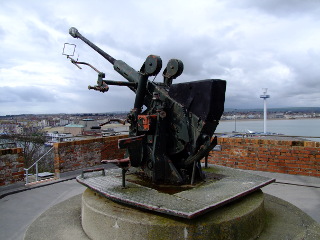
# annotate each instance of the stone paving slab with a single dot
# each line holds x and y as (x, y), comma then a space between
(229, 185)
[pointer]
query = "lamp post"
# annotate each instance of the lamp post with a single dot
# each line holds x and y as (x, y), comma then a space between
(235, 121)
(264, 96)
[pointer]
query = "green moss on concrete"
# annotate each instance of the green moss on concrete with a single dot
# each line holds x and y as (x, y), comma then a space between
(242, 219)
(284, 221)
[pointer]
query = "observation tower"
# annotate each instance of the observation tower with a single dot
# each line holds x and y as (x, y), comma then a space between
(264, 96)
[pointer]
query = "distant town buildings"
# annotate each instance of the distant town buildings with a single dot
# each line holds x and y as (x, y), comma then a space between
(73, 125)
(74, 129)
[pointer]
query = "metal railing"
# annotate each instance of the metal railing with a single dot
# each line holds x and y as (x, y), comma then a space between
(36, 165)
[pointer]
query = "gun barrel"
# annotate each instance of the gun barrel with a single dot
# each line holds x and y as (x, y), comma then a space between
(75, 33)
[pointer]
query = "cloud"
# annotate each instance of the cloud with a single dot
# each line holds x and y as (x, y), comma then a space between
(25, 94)
(251, 44)
(282, 8)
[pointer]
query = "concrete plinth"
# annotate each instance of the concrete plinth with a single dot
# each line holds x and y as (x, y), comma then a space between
(63, 221)
(104, 219)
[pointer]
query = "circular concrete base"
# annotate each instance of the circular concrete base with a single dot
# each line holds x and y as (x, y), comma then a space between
(104, 219)
(282, 221)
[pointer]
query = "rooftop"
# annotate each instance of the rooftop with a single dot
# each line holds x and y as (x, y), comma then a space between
(20, 205)
(75, 125)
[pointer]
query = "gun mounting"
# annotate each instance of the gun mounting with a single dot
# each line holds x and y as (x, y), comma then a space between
(168, 140)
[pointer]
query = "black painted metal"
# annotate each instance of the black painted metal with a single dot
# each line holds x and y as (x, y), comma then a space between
(177, 127)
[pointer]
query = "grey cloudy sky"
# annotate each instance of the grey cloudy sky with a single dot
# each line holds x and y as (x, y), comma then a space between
(272, 44)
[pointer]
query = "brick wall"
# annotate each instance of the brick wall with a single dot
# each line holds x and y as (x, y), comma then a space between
(11, 166)
(291, 157)
(70, 156)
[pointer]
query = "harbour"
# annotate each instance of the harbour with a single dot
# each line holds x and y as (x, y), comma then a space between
(289, 127)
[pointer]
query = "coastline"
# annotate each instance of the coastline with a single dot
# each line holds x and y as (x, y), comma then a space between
(268, 119)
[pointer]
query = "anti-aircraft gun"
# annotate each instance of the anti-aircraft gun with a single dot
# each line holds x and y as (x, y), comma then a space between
(169, 138)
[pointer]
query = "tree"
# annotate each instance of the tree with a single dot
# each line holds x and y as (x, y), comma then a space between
(32, 142)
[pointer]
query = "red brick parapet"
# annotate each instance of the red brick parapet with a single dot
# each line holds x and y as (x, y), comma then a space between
(11, 166)
(70, 156)
(291, 157)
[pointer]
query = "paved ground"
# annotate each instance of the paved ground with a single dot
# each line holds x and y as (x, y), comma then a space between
(19, 210)
(301, 191)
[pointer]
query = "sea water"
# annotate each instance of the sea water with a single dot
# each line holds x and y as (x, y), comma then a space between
(291, 127)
